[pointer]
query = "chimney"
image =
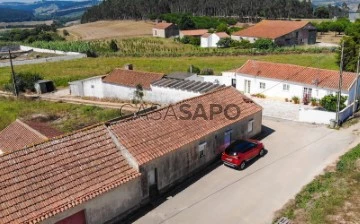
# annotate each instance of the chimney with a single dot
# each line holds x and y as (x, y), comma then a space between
(128, 67)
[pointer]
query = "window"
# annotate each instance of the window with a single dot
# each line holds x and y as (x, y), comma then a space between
(262, 85)
(92, 86)
(250, 125)
(201, 149)
(155, 32)
(286, 87)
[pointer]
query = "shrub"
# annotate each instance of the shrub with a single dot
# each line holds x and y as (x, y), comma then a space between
(195, 41)
(295, 99)
(259, 95)
(24, 81)
(264, 44)
(113, 46)
(207, 71)
(66, 33)
(314, 102)
(225, 42)
(329, 102)
(193, 69)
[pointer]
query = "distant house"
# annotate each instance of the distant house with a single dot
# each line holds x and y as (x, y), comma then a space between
(165, 30)
(353, 16)
(102, 173)
(211, 39)
(285, 81)
(192, 33)
(283, 33)
(20, 134)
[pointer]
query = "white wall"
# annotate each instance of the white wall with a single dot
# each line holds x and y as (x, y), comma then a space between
(210, 41)
(216, 79)
(163, 95)
(316, 116)
(159, 32)
(274, 88)
(26, 48)
(92, 87)
(239, 38)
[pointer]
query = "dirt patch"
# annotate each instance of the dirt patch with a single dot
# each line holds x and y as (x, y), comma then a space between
(110, 29)
(329, 37)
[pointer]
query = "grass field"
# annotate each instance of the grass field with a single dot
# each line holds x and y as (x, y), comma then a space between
(63, 116)
(109, 29)
(65, 71)
(333, 197)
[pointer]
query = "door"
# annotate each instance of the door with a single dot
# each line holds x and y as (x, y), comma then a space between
(77, 218)
(233, 83)
(247, 86)
(227, 138)
(307, 94)
(152, 183)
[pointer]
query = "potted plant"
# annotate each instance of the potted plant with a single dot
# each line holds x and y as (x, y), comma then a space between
(314, 102)
(295, 99)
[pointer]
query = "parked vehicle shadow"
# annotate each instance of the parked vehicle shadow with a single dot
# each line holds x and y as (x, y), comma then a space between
(170, 193)
(251, 162)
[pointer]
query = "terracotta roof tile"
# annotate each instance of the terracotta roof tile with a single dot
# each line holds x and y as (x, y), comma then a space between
(132, 78)
(157, 133)
(40, 181)
(193, 32)
(299, 74)
(162, 25)
(44, 128)
(222, 35)
(271, 29)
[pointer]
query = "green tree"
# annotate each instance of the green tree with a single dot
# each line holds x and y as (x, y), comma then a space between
(264, 44)
(24, 81)
(351, 47)
(224, 42)
(222, 27)
(195, 41)
(186, 23)
(138, 94)
(322, 12)
(113, 46)
(329, 102)
(323, 27)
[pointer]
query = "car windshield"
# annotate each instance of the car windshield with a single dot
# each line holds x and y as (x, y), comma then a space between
(239, 146)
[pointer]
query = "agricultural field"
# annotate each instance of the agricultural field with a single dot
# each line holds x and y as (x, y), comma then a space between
(109, 29)
(329, 37)
(66, 71)
(62, 116)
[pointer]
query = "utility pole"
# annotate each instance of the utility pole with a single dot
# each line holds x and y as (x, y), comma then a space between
(13, 75)
(356, 84)
(340, 84)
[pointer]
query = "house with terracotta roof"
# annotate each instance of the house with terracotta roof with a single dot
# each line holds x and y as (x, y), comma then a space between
(165, 30)
(80, 178)
(192, 33)
(283, 33)
(20, 134)
(211, 39)
(171, 143)
(285, 81)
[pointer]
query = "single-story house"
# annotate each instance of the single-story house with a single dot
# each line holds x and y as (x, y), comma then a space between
(169, 144)
(101, 173)
(192, 33)
(20, 134)
(157, 88)
(211, 39)
(285, 81)
(165, 30)
(79, 178)
(283, 33)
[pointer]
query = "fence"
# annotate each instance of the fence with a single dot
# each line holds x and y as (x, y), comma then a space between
(324, 117)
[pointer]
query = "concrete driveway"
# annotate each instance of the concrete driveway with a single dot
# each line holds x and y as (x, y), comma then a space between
(297, 152)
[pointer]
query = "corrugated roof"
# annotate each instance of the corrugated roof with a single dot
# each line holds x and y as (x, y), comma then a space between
(187, 85)
(271, 29)
(157, 133)
(41, 181)
(132, 78)
(299, 74)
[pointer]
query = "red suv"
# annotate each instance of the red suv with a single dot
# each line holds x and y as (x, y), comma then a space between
(241, 151)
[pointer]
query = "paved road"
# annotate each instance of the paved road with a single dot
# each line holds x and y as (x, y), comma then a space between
(297, 152)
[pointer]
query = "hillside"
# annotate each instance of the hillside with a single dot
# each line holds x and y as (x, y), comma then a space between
(352, 4)
(140, 9)
(14, 15)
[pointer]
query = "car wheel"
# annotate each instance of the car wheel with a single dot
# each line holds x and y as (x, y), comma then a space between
(262, 153)
(242, 165)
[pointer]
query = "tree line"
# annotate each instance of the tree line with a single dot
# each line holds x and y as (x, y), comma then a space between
(150, 9)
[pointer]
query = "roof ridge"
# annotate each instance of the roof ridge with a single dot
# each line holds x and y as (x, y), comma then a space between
(138, 71)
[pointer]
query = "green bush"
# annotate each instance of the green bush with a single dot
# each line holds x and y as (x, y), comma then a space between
(329, 102)
(193, 69)
(113, 46)
(225, 42)
(24, 81)
(264, 44)
(207, 71)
